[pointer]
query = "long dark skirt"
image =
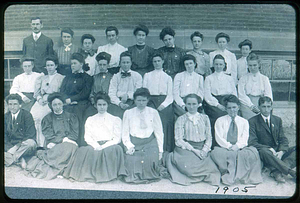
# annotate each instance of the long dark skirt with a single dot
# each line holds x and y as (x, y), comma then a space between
(96, 166)
(28, 106)
(118, 111)
(143, 166)
(214, 113)
(80, 110)
(51, 162)
(186, 168)
(242, 166)
(167, 119)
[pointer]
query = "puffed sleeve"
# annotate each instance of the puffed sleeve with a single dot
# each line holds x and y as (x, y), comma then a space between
(125, 130)
(268, 88)
(88, 133)
(176, 89)
(207, 92)
(84, 93)
(137, 83)
(221, 133)
(112, 91)
(158, 130)
(208, 140)
(47, 129)
(74, 127)
(241, 91)
(200, 92)
(117, 127)
(15, 88)
(37, 88)
(179, 133)
(169, 98)
(233, 68)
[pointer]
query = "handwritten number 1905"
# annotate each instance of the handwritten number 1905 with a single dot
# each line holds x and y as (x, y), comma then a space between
(236, 189)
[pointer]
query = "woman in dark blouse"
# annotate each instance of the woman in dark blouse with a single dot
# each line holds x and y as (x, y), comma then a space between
(77, 88)
(61, 130)
(141, 53)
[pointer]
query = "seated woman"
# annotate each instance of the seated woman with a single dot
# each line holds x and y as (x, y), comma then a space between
(142, 136)
(216, 87)
(252, 86)
(222, 40)
(185, 83)
(60, 129)
(103, 159)
(202, 58)
(160, 87)
(44, 86)
(236, 161)
(77, 88)
(190, 162)
(101, 82)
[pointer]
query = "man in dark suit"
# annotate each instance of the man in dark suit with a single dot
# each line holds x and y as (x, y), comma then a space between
(266, 134)
(38, 46)
(19, 132)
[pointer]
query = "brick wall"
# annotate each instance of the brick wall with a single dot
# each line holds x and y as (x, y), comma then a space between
(269, 26)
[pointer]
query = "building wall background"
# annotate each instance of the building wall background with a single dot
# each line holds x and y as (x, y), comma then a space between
(271, 27)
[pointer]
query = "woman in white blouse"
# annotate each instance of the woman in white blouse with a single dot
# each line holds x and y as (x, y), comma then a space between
(160, 86)
(103, 159)
(222, 40)
(216, 87)
(252, 86)
(236, 161)
(142, 136)
(44, 86)
(190, 161)
(187, 82)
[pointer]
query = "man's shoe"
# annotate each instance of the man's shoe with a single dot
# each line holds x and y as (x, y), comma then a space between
(278, 177)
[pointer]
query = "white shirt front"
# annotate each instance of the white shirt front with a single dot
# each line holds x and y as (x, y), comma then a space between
(221, 129)
(187, 83)
(218, 84)
(159, 83)
(131, 126)
(103, 127)
(24, 83)
(115, 52)
(91, 60)
(119, 86)
(36, 36)
(255, 85)
(230, 60)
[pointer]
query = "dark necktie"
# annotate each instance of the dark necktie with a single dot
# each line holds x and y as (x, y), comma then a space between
(267, 122)
(232, 132)
(91, 52)
(125, 74)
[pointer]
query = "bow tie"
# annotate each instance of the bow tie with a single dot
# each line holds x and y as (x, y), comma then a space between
(67, 48)
(125, 74)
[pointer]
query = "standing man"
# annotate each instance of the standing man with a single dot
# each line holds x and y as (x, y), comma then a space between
(112, 48)
(266, 134)
(38, 46)
(19, 132)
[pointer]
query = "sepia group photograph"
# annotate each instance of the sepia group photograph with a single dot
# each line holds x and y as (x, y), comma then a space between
(150, 101)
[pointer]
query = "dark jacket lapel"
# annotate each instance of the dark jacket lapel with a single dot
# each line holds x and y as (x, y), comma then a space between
(261, 120)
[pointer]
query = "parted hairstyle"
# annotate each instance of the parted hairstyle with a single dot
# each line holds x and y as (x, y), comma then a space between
(36, 18)
(197, 34)
(264, 99)
(219, 56)
(144, 92)
(53, 58)
(87, 36)
(166, 31)
(102, 95)
(246, 42)
(199, 100)
(112, 28)
(222, 34)
(14, 97)
(55, 95)
(125, 53)
(231, 98)
(67, 30)
(141, 27)
(188, 57)
(157, 54)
